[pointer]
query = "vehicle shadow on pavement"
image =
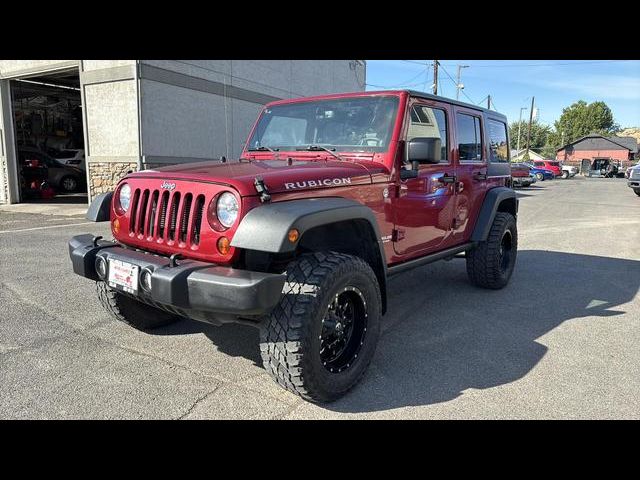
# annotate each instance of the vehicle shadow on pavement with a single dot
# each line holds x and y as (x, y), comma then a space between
(234, 339)
(443, 336)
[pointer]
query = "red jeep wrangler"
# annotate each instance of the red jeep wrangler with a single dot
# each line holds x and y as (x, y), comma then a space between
(331, 197)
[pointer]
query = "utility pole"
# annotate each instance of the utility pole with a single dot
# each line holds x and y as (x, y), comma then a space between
(519, 125)
(435, 77)
(529, 130)
(459, 86)
(489, 102)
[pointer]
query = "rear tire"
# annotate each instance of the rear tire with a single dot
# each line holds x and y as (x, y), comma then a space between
(565, 175)
(637, 191)
(132, 312)
(321, 337)
(540, 177)
(491, 263)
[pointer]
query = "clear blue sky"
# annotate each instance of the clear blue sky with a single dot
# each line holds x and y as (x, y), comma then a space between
(556, 84)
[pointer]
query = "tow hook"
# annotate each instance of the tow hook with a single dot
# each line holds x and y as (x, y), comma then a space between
(173, 260)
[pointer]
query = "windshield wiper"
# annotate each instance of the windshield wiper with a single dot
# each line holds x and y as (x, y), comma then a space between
(263, 149)
(317, 148)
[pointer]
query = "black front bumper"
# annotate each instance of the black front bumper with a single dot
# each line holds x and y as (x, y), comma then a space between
(200, 290)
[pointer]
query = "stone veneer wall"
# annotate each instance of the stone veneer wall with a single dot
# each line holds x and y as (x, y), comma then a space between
(104, 176)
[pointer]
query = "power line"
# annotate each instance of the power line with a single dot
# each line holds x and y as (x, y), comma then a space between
(456, 84)
(498, 65)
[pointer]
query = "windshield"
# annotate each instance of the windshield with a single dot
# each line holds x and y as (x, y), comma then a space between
(360, 124)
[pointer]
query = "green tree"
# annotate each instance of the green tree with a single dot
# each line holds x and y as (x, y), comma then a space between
(539, 135)
(581, 119)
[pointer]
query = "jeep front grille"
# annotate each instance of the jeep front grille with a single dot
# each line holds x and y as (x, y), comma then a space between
(169, 217)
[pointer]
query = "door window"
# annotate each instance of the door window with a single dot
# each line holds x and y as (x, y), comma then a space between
(429, 122)
(469, 138)
(498, 146)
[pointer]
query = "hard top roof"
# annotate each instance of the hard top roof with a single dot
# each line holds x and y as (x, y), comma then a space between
(413, 93)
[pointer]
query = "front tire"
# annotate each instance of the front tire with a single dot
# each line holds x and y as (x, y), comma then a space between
(637, 191)
(69, 184)
(132, 312)
(321, 337)
(565, 175)
(540, 177)
(491, 263)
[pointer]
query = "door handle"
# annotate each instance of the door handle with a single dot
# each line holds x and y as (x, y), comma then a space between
(480, 176)
(447, 178)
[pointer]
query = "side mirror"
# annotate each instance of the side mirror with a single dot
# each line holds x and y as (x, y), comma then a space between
(424, 150)
(407, 173)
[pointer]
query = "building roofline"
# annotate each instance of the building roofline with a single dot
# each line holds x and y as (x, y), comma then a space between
(592, 135)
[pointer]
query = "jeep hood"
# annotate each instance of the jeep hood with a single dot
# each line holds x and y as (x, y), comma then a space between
(278, 175)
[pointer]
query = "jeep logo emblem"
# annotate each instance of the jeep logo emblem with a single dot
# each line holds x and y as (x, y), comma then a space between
(168, 186)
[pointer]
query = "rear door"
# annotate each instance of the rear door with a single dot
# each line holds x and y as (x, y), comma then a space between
(471, 171)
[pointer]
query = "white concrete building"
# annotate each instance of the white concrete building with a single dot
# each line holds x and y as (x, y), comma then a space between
(143, 113)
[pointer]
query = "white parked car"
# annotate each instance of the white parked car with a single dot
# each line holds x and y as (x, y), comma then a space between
(73, 157)
(569, 171)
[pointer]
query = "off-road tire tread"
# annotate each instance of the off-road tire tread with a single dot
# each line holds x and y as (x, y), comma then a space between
(283, 338)
(127, 310)
(482, 268)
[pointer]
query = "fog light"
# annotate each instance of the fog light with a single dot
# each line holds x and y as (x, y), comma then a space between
(224, 245)
(101, 268)
(145, 280)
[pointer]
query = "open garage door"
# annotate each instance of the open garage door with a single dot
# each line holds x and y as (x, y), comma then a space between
(48, 133)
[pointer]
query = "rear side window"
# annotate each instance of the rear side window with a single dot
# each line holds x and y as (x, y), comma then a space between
(469, 138)
(429, 122)
(498, 147)
(539, 164)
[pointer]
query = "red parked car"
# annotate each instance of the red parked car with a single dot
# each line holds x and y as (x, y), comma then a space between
(552, 165)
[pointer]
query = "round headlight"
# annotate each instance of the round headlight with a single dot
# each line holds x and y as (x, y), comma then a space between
(124, 196)
(227, 209)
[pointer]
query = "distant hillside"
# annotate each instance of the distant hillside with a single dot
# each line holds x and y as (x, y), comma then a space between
(630, 132)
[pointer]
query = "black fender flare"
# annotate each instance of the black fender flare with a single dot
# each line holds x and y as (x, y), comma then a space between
(99, 210)
(490, 205)
(266, 227)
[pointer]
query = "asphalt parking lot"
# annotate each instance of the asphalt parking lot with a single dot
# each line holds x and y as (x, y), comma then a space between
(560, 341)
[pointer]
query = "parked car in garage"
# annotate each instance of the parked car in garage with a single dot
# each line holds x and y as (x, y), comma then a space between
(71, 156)
(552, 165)
(63, 178)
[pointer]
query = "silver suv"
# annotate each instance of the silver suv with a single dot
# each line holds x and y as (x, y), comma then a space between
(634, 179)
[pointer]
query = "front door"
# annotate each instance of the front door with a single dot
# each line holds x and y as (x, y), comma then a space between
(424, 207)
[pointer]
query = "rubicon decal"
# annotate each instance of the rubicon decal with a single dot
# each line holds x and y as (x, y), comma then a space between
(326, 182)
(168, 186)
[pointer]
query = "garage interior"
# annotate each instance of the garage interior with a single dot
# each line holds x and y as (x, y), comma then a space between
(48, 132)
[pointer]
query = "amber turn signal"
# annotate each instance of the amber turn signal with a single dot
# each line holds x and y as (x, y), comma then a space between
(116, 226)
(224, 245)
(293, 235)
